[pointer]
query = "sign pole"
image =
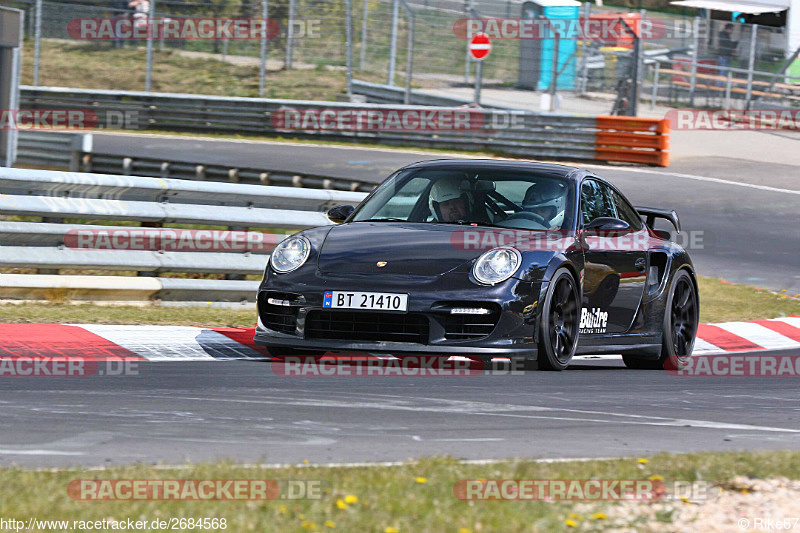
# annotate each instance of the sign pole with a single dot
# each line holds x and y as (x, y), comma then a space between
(478, 81)
(479, 47)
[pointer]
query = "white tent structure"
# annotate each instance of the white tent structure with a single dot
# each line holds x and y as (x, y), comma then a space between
(755, 7)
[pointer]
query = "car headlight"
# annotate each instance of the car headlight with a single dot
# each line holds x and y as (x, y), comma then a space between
(290, 254)
(497, 265)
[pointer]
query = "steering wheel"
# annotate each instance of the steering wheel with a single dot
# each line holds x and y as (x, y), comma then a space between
(529, 215)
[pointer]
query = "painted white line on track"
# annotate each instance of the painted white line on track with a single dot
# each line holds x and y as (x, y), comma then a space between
(692, 177)
(485, 409)
(378, 464)
(4, 451)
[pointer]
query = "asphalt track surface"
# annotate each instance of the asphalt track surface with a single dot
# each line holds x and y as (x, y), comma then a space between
(246, 411)
(744, 227)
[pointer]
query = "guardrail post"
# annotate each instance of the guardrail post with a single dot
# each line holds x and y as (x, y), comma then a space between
(728, 90)
(751, 66)
(656, 67)
(349, 45)
(393, 42)
(81, 144)
(149, 69)
(37, 42)
(409, 52)
(364, 35)
(468, 13)
(262, 70)
(290, 35)
(695, 52)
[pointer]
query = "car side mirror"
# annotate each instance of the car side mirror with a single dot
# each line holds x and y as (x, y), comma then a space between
(609, 224)
(340, 213)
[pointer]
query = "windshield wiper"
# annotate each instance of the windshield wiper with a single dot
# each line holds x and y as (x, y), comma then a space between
(383, 220)
(469, 223)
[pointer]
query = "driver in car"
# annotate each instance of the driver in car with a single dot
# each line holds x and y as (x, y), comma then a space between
(448, 202)
(547, 199)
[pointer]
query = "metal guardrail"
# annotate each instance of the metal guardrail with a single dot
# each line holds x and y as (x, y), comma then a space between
(154, 201)
(537, 135)
(54, 149)
(386, 94)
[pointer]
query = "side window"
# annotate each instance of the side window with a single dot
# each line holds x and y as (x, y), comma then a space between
(595, 201)
(402, 203)
(626, 212)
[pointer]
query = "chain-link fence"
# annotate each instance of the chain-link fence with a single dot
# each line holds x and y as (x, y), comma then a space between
(664, 58)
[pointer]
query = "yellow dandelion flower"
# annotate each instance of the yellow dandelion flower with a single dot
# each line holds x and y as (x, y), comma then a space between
(642, 461)
(464, 530)
(421, 480)
(390, 529)
(656, 477)
(282, 509)
(330, 523)
(308, 525)
(598, 516)
(350, 498)
(341, 505)
(684, 499)
(570, 522)
(576, 516)
(305, 461)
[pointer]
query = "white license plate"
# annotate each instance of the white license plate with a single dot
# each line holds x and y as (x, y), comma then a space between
(381, 301)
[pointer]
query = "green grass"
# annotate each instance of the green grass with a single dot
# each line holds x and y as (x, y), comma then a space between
(87, 313)
(719, 302)
(104, 67)
(722, 301)
(416, 496)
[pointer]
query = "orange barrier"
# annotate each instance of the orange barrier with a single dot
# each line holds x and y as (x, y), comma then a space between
(632, 139)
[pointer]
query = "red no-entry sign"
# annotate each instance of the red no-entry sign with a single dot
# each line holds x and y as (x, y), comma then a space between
(479, 46)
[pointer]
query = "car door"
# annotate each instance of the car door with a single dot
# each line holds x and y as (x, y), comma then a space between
(615, 262)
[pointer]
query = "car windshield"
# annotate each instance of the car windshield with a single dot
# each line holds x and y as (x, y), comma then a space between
(522, 200)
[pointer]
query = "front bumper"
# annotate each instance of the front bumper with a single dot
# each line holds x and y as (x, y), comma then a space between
(512, 302)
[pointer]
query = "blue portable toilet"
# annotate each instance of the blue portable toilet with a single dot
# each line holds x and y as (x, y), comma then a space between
(536, 55)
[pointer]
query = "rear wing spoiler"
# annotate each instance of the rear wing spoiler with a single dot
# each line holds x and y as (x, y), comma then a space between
(651, 214)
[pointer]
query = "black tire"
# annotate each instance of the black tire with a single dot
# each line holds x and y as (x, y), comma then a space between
(559, 322)
(681, 318)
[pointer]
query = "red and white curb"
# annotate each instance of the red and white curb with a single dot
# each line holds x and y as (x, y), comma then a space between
(185, 343)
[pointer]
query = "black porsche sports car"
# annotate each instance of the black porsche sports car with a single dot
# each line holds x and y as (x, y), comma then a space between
(482, 259)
